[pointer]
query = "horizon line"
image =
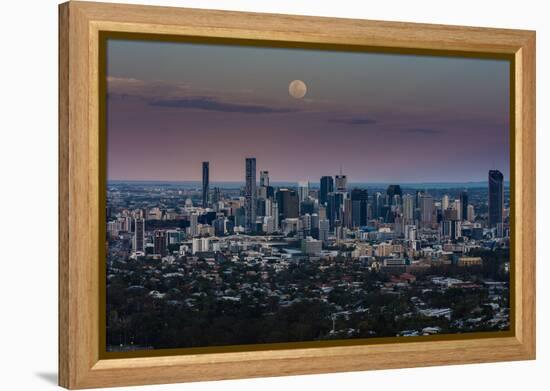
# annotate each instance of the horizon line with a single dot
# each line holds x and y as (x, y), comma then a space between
(296, 181)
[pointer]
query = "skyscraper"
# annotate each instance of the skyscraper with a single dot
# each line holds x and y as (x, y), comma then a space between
(303, 190)
(160, 243)
(287, 201)
(408, 208)
(444, 202)
(264, 178)
(464, 205)
(496, 198)
(194, 225)
(139, 235)
(250, 194)
(335, 202)
(426, 208)
(377, 203)
(392, 191)
(341, 182)
(324, 227)
(359, 202)
(205, 183)
(327, 186)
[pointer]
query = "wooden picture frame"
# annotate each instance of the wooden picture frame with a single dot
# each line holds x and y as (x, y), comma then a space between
(81, 163)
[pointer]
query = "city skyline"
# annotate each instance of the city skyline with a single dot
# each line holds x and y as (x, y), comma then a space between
(400, 111)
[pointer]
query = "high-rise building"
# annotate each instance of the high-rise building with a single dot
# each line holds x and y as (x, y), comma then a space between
(451, 229)
(347, 209)
(359, 203)
(496, 198)
(324, 228)
(288, 204)
(341, 182)
(219, 225)
(335, 202)
(377, 204)
(159, 241)
(408, 208)
(426, 208)
(327, 186)
(139, 235)
(392, 192)
(303, 190)
(457, 205)
(205, 183)
(464, 205)
(194, 225)
(250, 195)
(470, 215)
(445, 202)
(264, 178)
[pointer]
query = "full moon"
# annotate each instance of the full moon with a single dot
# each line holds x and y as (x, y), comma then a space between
(297, 89)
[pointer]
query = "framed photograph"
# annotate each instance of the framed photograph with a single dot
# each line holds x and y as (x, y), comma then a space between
(247, 195)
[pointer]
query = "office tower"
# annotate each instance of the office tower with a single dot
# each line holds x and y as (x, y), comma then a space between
(205, 183)
(288, 203)
(445, 202)
(264, 178)
(408, 208)
(464, 205)
(341, 182)
(496, 198)
(322, 213)
(470, 214)
(417, 203)
(315, 225)
(327, 186)
(194, 225)
(216, 195)
(335, 201)
(391, 192)
(219, 226)
(305, 222)
(451, 229)
(139, 235)
(275, 215)
(160, 243)
(260, 206)
(324, 228)
(269, 225)
(250, 195)
(347, 217)
(359, 203)
(268, 207)
(458, 207)
(450, 214)
(240, 217)
(426, 208)
(377, 203)
(410, 232)
(303, 190)
(307, 206)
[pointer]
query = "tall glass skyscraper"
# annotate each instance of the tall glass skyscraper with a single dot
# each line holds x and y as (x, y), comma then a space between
(205, 183)
(250, 195)
(327, 186)
(464, 205)
(496, 197)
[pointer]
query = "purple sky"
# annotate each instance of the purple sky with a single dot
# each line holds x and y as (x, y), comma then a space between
(382, 117)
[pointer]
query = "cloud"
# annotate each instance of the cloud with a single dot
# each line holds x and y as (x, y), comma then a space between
(422, 131)
(212, 104)
(353, 121)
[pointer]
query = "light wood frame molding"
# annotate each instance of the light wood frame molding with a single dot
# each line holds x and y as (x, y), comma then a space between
(80, 365)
